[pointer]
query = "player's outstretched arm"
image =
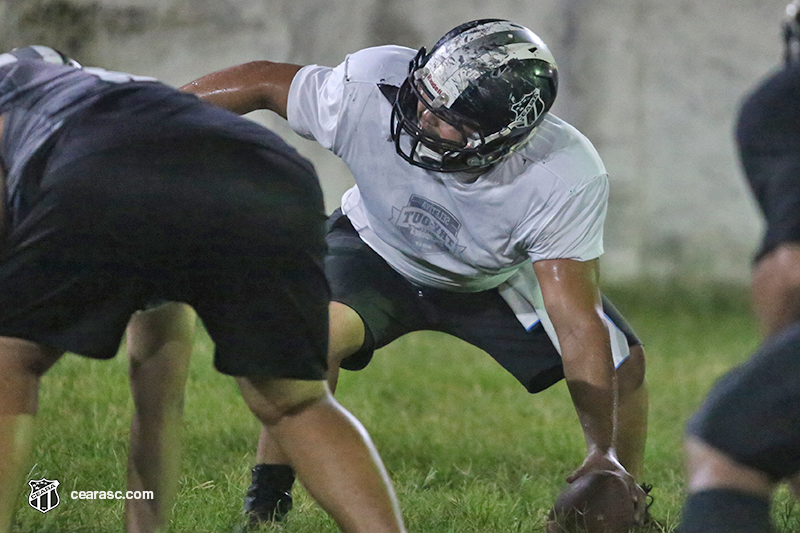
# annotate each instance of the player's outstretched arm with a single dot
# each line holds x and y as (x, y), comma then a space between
(247, 87)
(572, 300)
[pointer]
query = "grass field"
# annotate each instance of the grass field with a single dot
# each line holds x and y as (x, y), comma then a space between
(467, 448)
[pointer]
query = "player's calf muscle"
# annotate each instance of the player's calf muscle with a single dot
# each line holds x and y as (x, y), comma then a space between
(631, 373)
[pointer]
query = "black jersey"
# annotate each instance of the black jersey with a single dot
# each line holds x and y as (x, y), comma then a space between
(126, 192)
(55, 114)
(769, 120)
(768, 136)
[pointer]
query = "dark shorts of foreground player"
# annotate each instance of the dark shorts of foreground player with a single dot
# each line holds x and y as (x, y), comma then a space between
(234, 229)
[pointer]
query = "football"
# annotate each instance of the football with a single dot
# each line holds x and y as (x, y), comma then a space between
(599, 502)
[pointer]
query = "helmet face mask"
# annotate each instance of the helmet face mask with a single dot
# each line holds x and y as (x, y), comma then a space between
(492, 80)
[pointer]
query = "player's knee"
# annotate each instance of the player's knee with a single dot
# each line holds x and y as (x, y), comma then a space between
(710, 468)
(166, 331)
(631, 373)
(21, 358)
(271, 400)
(22, 364)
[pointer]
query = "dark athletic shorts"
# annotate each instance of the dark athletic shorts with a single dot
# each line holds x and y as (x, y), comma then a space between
(775, 179)
(391, 306)
(753, 413)
(234, 229)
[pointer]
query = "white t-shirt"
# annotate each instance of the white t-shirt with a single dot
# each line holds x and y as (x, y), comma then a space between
(548, 200)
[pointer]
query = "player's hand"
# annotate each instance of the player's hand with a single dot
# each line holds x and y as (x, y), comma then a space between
(597, 462)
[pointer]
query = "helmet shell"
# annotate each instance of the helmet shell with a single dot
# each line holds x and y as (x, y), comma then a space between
(493, 79)
(39, 52)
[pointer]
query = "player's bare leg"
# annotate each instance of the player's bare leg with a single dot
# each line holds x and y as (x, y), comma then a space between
(724, 495)
(330, 451)
(710, 468)
(632, 412)
(775, 286)
(22, 364)
(269, 496)
(346, 335)
(159, 346)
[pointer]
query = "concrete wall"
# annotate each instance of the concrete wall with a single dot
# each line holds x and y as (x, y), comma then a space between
(655, 85)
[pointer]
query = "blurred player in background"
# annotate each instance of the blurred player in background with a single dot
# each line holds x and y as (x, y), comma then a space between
(746, 437)
(475, 212)
(119, 194)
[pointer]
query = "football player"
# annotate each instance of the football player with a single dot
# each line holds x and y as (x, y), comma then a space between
(746, 437)
(476, 212)
(121, 193)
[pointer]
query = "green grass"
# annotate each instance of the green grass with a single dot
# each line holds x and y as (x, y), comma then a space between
(467, 448)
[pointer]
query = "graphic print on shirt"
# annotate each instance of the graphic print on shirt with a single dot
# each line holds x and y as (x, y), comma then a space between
(428, 226)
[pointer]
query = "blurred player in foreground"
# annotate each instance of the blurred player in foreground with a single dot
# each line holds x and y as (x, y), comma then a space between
(120, 193)
(745, 439)
(475, 212)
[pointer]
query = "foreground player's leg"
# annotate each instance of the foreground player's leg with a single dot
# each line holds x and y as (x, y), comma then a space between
(724, 496)
(22, 364)
(744, 439)
(632, 412)
(159, 346)
(330, 451)
(269, 496)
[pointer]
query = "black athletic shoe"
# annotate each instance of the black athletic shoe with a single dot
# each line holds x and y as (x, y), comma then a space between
(649, 523)
(269, 497)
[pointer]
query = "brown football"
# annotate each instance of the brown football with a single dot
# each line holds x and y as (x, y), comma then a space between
(598, 502)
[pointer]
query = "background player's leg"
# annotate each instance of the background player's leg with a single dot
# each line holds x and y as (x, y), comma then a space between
(22, 364)
(632, 412)
(269, 495)
(724, 496)
(159, 346)
(330, 450)
(744, 439)
(776, 288)
(710, 468)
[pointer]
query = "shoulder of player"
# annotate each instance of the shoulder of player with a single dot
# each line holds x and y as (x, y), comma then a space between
(561, 151)
(379, 64)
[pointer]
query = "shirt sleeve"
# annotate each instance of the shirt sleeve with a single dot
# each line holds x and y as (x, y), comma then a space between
(315, 102)
(575, 231)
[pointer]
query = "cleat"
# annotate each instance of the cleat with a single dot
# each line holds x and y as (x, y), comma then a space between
(269, 497)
